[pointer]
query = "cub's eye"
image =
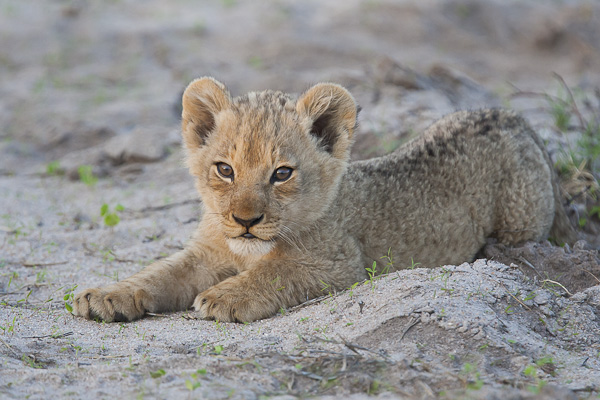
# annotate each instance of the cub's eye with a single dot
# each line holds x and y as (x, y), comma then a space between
(225, 170)
(281, 174)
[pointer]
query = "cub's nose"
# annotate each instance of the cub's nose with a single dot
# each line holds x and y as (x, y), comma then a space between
(248, 223)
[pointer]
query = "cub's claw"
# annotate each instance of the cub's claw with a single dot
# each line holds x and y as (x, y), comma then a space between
(111, 304)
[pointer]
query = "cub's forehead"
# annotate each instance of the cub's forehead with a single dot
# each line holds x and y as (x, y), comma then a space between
(259, 116)
(259, 127)
(267, 109)
(273, 100)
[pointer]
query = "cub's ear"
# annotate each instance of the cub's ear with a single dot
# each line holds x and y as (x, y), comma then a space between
(331, 112)
(202, 100)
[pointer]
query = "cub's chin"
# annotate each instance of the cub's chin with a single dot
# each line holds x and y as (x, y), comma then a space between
(250, 247)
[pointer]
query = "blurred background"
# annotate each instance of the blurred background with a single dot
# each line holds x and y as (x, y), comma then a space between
(76, 75)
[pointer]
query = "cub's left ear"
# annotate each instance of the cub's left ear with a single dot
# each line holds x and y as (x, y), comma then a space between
(331, 112)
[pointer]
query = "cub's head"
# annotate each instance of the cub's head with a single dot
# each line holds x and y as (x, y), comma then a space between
(267, 166)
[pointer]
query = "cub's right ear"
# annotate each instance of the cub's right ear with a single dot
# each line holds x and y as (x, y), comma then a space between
(202, 100)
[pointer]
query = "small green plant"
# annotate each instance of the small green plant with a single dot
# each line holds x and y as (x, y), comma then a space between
(351, 289)
(532, 372)
(547, 364)
(560, 113)
(589, 143)
(322, 330)
(221, 328)
(78, 349)
(9, 327)
(446, 274)
(474, 381)
(326, 286)
(530, 296)
(202, 349)
(53, 168)
(86, 175)
(68, 299)
(413, 264)
(256, 62)
(24, 300)
(158, 373)
(218, 349)
(583, 220)
(31, 362)
(578, 165)
(373, 387)
(40, 276)
(14, 275)
(372, 275)
(389, 265)
(111, 218)
(194, 383)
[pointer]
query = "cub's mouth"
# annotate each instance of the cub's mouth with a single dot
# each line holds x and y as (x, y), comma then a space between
(248, 244)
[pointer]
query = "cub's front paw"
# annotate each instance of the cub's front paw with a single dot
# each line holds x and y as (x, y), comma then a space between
(230, 302)
(111, 304)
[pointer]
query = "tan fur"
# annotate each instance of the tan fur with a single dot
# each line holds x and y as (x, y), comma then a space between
(469, 177)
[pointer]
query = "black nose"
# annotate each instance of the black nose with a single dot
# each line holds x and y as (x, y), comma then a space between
(248, 223)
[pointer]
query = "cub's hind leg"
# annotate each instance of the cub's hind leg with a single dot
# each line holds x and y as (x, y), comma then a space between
(525, 205)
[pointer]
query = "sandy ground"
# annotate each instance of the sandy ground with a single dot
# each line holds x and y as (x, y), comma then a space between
(99, 84)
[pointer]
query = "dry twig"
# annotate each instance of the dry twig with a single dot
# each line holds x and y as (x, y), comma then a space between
(559, 284)
(41, 264)
(351, 346)
(307, 303)
(410, 325)
(514, 297)
(53, 336)
(594, 276)
(10, 348)
(156, 314)
(163, 207)
(530, 265)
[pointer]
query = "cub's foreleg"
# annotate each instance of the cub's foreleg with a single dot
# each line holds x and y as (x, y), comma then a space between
(263, 290)
(167, 285)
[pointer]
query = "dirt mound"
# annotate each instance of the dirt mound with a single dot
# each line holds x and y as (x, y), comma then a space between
(575, 269)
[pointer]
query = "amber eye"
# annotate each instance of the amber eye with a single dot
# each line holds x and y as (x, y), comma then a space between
(281, 174)
(225, 170)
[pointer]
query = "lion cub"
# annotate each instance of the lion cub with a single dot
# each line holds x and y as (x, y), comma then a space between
(285, 213)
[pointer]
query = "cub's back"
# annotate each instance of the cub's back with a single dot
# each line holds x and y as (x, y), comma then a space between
(470, 176)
